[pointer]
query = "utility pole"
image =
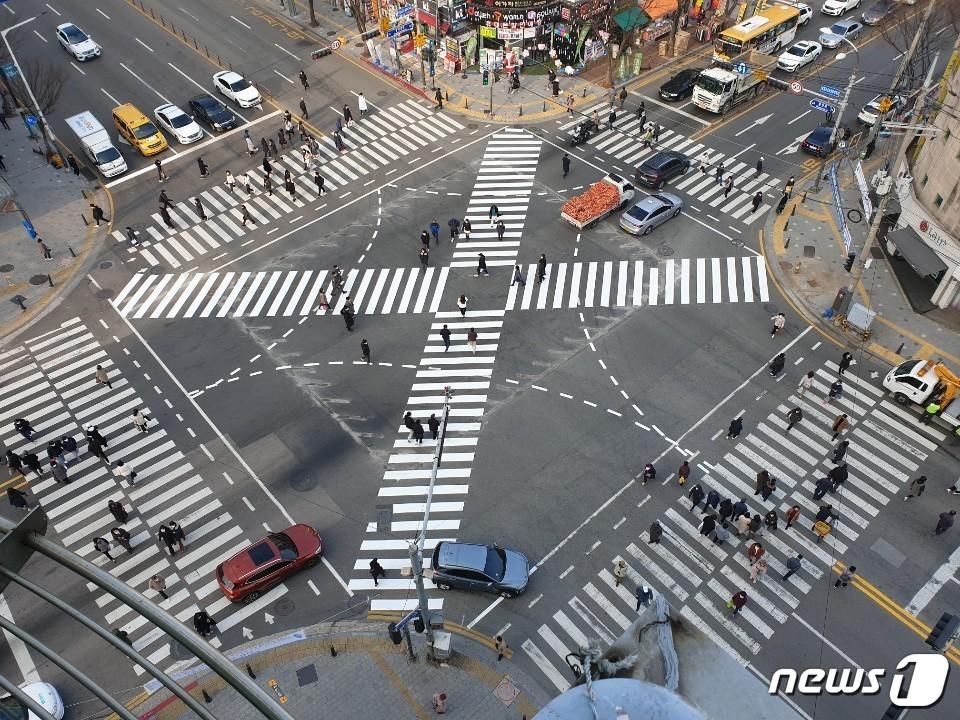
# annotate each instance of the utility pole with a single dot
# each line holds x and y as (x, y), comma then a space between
(416, 547)
(836, 120)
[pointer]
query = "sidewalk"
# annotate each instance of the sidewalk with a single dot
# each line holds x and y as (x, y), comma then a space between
(805, 255)
(369, 677)
(56, 201)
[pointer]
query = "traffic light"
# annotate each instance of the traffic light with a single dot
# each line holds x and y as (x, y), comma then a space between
(486, 78)
(394, 633)
(944, 632)
(418, 624)
(848, 265)
(322, 52)
(369, 34)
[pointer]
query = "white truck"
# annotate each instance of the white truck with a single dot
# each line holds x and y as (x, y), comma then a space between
(96, 144)
(918, 381)
(719, 88)
(600, 199)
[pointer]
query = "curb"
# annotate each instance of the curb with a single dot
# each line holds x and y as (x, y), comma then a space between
(396, 78)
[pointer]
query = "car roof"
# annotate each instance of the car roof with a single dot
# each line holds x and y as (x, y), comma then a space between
(661, 158)
(848, 23)
(463, 555)
(651, 202)
(206, 100)
(821, 132)
(228, 75)
(170, 110)
(805, 43)
(67, 25)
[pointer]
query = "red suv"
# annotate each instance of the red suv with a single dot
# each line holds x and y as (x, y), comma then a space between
(248, 574)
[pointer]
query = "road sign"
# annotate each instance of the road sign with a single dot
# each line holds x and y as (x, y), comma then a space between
(404, 10)
(335, 45)
(419, 41)
(822, 106)
(30, 119)
(830, 90)
(796, 88)
(400, 29)
(741, 68)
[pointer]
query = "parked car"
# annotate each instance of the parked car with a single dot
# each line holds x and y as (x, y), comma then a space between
(176, 122)
(237, 88)
(878, 12)
(801, 53)
(652, 211)
(806, 12)
(468, 566)
(680, 86)
(818, 142)
(838, 7)
(832, 36)
(249, 573)
(871, 111)
(659, 168)
(76, 42)
(212, 113)
(44, 694)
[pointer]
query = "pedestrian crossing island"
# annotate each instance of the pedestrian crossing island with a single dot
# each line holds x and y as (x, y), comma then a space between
(298, 293)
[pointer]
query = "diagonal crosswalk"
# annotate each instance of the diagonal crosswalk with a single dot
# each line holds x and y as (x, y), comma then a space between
(466, 371)
(624, 143)
(372, 142)
(49, 380)
(698, 576)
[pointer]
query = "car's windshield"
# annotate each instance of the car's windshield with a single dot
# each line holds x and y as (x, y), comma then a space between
(286, 546)
(239, 85)
(108, 155)
(797, 50)
(179, 120)
(838, 29)
(145, 131)
(74, 34)
(714, 87)
(638, 212)
(496, 563)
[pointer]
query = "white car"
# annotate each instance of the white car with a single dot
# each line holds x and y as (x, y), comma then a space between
(235, 86)
(806, 12)
(871, 111)
(76, 42)
(176, 122)
(44, 694)
(838, 7)
(799, 54)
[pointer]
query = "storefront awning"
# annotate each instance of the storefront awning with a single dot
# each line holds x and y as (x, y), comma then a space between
(428, 19)
(657, 9)
(631, 19)
(916, 252)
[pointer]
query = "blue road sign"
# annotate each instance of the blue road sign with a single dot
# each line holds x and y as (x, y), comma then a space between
(30, 119)
(28, 226)
(822, 106)
(830, 90)
(741, 68)
(400, 29)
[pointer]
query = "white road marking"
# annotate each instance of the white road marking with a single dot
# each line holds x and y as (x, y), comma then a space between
(240, 21)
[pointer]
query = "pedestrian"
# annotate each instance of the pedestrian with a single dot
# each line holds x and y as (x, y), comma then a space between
(71, 161)
(454, 225)
(776, 365)
(116, 509)
(438, 96)
(757, 199)
(570, 102)
(467, 227)
(445, 336)
(472, 340)
(322, 300)
(481, 265)
(59, 472)
(794, 416)
(806, 382)
(203, 167)
(70, 451)
(757, 570)
(707, 525)
(124, 472)
(408, 424)
(644, 596)
(742, 524)
(199, 206)
(251, 146)
(132, 236)
(179, 536)
(100, 377)
(319, 181)
(501, 229)
(718, 173)
(917, 487)
(840, 423)
(268, 185)
(433, 425)
(737, 602)
(753, 527)
(274, 152)
(622, 96)
(835, 391)
(362, 104)
(17, 498)
(760, 481)
(517, 276)
(779, 322)
(846, 576)
(158, 585)
(541, 268)
(755, 552)
(838, 476)
(566, 164)
(22, 426)
(759, 166)
(656, 532)
(97, 213)
(619, 572)
(291, 188)
(648, 138)
(944, 522)
(788, 188)
(493, 214)
(418, 431)
(55, 451)
(264, 147)
(161, 175)
(376, 571)
(122, 538)
(435, 231)
(282, 136)
(303, 109)
(424, 257)
(727, 187)
(232, 184)
(14, 463)
(846, 360)
(656, 133)
(649, 473)
(245, 215)
(500, 645)
(721, 534)
(338, 141)
(203, 623)
(303, 80)
(44, 250)
(824, 514)
(642, 109)
(739, 508)
(611, 118)
(930, 411)
(348, 318)
(140, 420)
(823, 486)
(301, 128)
(462, 305)
(793, 565)
(696, 494)
(101, 545)
(683, 472)
(725, 509)
(736, 427)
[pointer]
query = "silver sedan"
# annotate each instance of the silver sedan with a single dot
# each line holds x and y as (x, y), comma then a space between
(650, 212)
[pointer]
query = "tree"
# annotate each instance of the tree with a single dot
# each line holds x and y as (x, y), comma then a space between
(46, 80)
(358, 8)
(615, 39)
(313, 14)
(899, 29)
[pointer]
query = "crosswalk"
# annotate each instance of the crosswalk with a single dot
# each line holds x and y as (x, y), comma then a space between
(625, 143)
(388, 135)
(697, 576)
(49, 380)
(466, 371)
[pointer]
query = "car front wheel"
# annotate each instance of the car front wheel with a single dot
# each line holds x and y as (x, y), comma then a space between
(251, 597)
(647, 230)
(507, 594)
(677, 212)
(443, 586)
(901, 398)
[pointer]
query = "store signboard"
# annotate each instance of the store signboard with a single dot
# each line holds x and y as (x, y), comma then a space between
(488, 32)
(535, 15)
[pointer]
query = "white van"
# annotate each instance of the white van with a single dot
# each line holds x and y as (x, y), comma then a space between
(96, 144)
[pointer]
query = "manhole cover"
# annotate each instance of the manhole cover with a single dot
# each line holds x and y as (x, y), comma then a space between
(304, 482)
(155, 270)
(104, 294)
(809, 251)
(6, 268)
(359, 44)
(506, 692)
(38, 279)
(665, 251)
(381, 93)
(331, 32)
(106, 265)
(284, 606)
(771, 308)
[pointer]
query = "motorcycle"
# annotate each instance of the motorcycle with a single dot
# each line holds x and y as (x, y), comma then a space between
(584, 132)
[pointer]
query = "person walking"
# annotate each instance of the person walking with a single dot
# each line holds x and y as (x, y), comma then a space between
(132, 236)
(418, 431)
(59, 472)
(501, 229)
(930, 411)
(251, 146)
(454, 225)
(945, 522)
(493, 214)
(846, 577)
(760, 481)
(696, 494)
(788, 188)
(72, 162)
(656, 532)
(14, 463)
(757, 200)
(177, 533)
(839, 451)
(433, 425)
(740, 508)
(44, 249)
(303, 80)
(140, 420)
(737, 602)
(566, 164)
(435, 231)
(438, 96)
(365, 351)
(840, 424)
(319, 181)
(17, 498)
(736, 427)
(917, 487)
(158, 585)
(122, 471)
(500, 645)
(757, 570)
(467, 227)
(161, 175)
(348, 318)
(245, 216)
(100, 377)
(683, 472)
(836, 391)
(232, 184)
(794, 416)
(122, 538)
(779, 322)
(759, 166)
(116, 509)
(823, 486)
(199, 206)
(517, 277)
(776, 365)
(771, 521)
(424, 258)
(274, 152)
(718, 173)
(570, 102)
(846, 360)
(713, 500)
(806, 382)
(203, 167)
(754, 526)
(472, 340)
(408, 424)
(727, 187)
(481, 266)
(755, 552)
(541, 268)
(462, 305)
(165, 200)
(649, 473)
(203, 623)
(102, 546)
(55, 451)
(282, 135)
(622, 96)
(425, 239)
(644, 596)
(22, 426)
(97, 213)
(445, 336)
(303, 109)
(707, 525)
(825, 514)
(725, 509)
(611, 118)
(793, 565)
(376, 571)
(742, 524)
(838, 476)
(619, 572)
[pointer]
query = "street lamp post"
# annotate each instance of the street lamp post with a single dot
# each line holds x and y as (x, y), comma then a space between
(45, 130)
(839, 114)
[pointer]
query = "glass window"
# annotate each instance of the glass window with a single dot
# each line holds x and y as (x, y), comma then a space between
(923, 183)
(938, 200)
(286, 546)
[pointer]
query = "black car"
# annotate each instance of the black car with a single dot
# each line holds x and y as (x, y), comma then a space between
(656, 170)
(878, 12)
(680, 86)
(818, 142)
(212, 113)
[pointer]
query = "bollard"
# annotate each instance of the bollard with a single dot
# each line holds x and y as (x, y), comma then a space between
(521, 111)
(793, 211)
(544, 106)
(900, 349)
(49, 280)
(796, 267)
(584, 93)
(206, 696)
(84, 218)
(803, 199)
(787, 243)
(250, 672)
(466, 103)
(333, 651)
(72, 253)
(18, 301)
(447, 93)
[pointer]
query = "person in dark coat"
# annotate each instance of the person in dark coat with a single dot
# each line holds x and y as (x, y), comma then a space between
(838, 475)
(22, 426)
(726, 509)
(14, 463)
(347, 115)
(17, 498)
(566, 164)
(122, 538)
(713, 499)
(101, 545)
(776, 366)
(165, 536)
(203, 623)
(739, 508)
(738, 601)
(708, 524)
(376, 571)
(794, 415)
(347, 318)
(771, 520)
(116, 509)
(696, 495)
(736, 427)
(754, 527)
(656, 532)
(846, 360)
(32, 462)
(178, 534)
(839, 451)
(434, 425)
(768, 487)
(761, 480)
(823, 486)
(418, 430)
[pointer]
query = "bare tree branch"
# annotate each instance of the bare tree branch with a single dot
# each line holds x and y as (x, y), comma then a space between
(899, 29)
(359, 11)
(46, 80)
